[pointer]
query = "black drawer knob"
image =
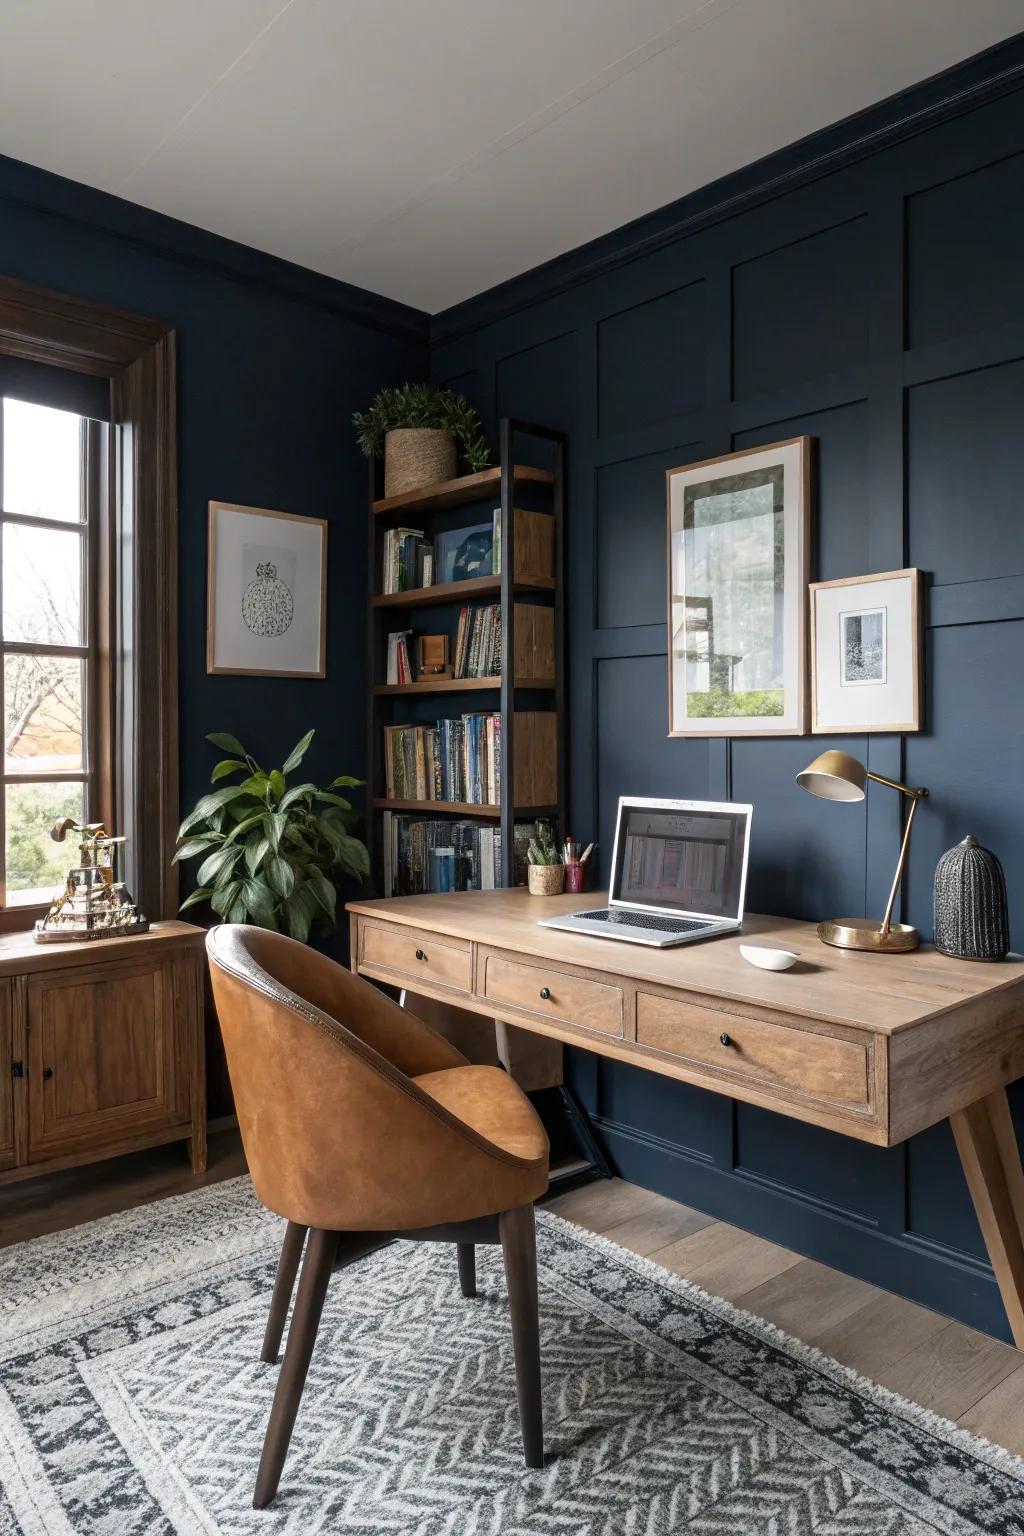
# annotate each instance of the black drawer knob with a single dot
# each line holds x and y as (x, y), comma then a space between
(17, 1069)
(47, 1073)
(725, 1039)
(545, 993)
(420, 955)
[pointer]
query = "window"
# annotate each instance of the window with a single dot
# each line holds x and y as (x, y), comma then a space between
(49, 485)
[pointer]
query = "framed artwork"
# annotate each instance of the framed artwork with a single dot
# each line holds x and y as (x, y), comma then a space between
(738, 553)
(266, 592)
(866, 653)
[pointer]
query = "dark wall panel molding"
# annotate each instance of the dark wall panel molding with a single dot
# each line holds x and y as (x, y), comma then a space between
(829, 310)
(941, 101)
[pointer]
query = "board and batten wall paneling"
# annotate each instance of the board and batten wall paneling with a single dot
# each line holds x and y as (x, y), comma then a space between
(878, 308)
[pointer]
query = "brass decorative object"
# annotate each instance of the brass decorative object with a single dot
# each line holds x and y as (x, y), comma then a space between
(94, 903)
(838, 776)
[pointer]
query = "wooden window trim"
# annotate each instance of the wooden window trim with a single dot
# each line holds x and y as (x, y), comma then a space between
(135, 724)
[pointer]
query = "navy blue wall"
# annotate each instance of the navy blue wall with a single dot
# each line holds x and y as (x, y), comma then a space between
(878, 307)
(272, 363)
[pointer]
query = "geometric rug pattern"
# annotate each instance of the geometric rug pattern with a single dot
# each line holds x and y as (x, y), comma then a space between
(133, 1401)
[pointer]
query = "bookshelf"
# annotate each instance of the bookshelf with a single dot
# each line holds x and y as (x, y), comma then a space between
(528, 698)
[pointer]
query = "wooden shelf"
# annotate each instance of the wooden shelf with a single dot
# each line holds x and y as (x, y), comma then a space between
(457, 592)
(459, 685)
(459, 493)
(457, 808)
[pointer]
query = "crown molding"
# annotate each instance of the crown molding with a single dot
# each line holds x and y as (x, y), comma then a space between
(61, 198)
(983, 78)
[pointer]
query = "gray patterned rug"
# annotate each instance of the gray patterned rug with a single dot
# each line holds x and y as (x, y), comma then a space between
(133, 1403)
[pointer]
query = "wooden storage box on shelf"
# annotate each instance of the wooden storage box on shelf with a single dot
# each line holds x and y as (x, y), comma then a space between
(534, 644)
(535, 759)
(533, 535)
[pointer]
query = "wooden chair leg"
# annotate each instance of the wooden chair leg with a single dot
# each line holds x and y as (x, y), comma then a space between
(309, 1303)
(519, 1246)
(467, 1268)
(284, 1284)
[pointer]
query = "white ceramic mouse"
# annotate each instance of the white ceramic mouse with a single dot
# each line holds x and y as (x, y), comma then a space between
(768, 959)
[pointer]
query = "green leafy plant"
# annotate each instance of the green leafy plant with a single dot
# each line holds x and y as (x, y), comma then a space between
(423, 405)
(542, 847)
(272, 853)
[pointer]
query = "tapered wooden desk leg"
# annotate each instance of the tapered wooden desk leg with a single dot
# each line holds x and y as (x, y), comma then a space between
(988, 1149)
(519, 1246)
(309, 1303)
(467, 1268)
(284, 1284)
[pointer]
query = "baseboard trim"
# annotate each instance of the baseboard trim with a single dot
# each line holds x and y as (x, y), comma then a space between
(957, 1285)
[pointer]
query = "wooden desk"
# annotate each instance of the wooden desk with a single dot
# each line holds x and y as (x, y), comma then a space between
(874, 1046)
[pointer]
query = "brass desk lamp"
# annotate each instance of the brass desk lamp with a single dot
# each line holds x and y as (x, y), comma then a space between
(838, 776)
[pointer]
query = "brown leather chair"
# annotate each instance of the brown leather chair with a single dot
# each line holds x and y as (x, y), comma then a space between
(357, 1117)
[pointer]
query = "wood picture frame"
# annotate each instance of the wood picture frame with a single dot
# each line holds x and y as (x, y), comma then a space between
(889, 699)
(242, 567)
(766, 494)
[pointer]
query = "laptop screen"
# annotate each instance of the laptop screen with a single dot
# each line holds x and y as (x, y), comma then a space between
(684, 860)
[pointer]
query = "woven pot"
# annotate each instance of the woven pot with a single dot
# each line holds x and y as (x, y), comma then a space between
(546, 879)
(970, 904)
(417, 456)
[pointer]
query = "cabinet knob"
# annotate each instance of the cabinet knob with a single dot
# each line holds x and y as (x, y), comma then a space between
(17, 1069)
(545, 993)
(420, 955)
(47, 1073)
(725, 1039)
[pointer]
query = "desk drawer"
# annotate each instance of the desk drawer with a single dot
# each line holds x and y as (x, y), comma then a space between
(420, 956)
(820, 1066)
(553, 994)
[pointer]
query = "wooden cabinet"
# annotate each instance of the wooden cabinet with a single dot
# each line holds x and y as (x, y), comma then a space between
(104, 1042)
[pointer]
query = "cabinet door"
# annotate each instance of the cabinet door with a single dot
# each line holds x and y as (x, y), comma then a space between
(103, 1060)
(7, 1078)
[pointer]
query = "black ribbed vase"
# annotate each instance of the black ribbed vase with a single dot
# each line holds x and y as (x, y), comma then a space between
(971, 920)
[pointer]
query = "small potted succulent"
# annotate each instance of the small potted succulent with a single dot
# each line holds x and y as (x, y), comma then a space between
(421, 432)
(546, 872)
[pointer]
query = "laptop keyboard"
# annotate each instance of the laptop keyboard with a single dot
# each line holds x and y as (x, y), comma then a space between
(644, 920)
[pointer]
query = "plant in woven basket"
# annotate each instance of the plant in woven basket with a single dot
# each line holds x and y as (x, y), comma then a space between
(542, 847)
(273, 855)
(423, 405)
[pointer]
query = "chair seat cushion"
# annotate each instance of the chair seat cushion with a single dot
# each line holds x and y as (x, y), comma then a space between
(490, 1103)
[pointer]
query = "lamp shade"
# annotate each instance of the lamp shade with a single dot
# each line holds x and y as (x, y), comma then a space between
(834, 776)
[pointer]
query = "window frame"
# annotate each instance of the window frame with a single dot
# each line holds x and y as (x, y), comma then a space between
(133, 717)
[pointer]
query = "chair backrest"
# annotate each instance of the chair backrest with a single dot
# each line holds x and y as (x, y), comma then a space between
(336, 1133)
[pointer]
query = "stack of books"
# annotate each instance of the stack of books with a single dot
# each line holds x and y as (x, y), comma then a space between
(408, 560)
(399, 667)
(422, 855)
(455, 759)
(478, 642)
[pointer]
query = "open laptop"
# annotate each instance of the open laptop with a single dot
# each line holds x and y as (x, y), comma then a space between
(679, 873)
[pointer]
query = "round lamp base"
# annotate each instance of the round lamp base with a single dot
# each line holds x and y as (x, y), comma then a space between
(862, 933)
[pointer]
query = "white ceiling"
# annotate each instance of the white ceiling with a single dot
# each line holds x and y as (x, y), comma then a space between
(429, 151)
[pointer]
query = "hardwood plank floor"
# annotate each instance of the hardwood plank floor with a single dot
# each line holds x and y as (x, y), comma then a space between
(955, 1371)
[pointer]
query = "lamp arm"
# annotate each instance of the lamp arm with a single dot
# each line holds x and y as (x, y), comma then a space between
(901, 864)
(879, 778)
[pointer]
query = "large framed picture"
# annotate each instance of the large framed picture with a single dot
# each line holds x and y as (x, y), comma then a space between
(266, 594)
(738, 553)
(866, 653)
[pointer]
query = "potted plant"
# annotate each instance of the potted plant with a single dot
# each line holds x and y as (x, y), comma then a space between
(272, 854)
(421, 432)
(546, 872)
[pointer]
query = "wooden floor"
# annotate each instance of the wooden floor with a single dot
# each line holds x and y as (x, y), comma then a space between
(955, 1371)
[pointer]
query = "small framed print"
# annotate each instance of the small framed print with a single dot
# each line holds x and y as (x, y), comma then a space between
(266, 593)
(738, 547)
(866, 653)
